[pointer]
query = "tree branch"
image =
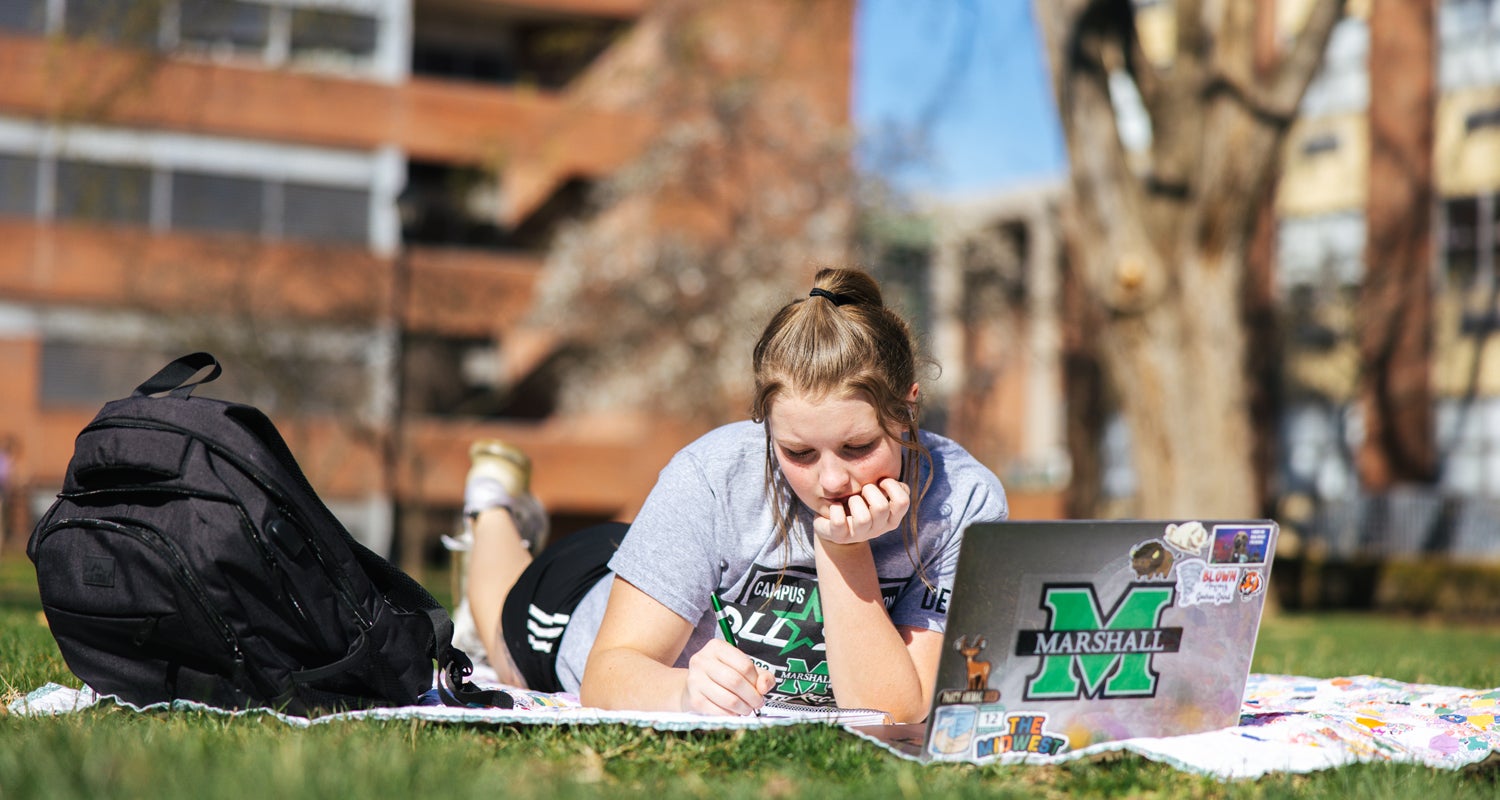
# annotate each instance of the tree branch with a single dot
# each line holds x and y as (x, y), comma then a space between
(1276, 102)
(1296, 71)
(1147, 77)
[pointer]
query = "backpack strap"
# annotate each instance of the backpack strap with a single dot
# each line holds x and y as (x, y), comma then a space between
(454, 668)
(173, 377)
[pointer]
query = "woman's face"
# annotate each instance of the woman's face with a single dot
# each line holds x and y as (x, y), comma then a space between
(830, 448)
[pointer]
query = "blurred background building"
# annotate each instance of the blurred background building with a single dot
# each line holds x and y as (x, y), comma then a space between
(351, 203)
(1321, 206)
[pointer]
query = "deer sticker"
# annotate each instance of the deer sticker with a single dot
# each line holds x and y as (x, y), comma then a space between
(979, 671)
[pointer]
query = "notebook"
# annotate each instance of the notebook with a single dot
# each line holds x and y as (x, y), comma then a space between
(1066, 634)
(835, 714)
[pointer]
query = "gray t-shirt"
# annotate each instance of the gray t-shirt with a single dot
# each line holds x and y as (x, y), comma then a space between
(708, 527)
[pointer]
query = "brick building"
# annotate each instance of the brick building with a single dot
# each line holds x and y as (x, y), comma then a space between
(351, 203)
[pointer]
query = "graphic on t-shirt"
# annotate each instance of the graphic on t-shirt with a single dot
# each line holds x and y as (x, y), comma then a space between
(778, 622)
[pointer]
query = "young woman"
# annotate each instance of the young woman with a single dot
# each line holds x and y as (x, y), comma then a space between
(827, 527)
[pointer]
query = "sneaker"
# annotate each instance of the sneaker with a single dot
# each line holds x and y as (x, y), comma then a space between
(499, 476)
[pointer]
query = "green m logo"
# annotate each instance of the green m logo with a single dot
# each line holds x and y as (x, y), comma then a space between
(1088, 654)
(800, 679)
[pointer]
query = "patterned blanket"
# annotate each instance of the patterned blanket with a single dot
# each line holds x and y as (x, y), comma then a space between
(1287, 724)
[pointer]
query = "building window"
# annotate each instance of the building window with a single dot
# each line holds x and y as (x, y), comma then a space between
(220, 23)
(1469, 233)
(85, 371)
(1317, 145)
(325, 213)
(317, 31)
(207, 202)
(126, 22)
(25, 16)
(1483, 118)
(1460, 237)
(485, 42)
(347, 39)
(18, 186)
(86, 374)
(103, 192)
(1325, 251)
(167, 181)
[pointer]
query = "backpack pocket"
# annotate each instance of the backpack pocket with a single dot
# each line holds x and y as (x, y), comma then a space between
(115, 592)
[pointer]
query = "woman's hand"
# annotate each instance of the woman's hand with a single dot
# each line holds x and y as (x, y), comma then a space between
(723, 680)
(875, 510)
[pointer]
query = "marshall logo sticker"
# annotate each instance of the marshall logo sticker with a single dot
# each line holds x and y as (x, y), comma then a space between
(1087, 653)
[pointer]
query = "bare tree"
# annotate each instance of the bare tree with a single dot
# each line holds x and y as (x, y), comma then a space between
(656, 297)
(1394, 314)
(1163, 234)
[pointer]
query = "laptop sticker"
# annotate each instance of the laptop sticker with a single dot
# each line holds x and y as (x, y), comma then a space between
(1085, 652)
(952, 730)
(1024, 733)
(1189, 537)
(991, 719)
(978, 688)
(1252, 584)
(987, 732)
(1240, 544)
(1202, 584)
(1151, 559)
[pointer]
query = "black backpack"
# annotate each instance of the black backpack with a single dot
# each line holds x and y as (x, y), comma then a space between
(187, 557)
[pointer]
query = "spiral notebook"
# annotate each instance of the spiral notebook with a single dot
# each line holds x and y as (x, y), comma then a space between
(1066, 634)
(842, 716)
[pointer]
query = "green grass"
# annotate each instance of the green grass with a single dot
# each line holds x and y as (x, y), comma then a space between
(107, 752)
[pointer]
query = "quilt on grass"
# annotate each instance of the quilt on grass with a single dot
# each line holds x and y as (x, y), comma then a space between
(1287, 724)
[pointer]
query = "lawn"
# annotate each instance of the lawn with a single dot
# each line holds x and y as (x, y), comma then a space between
(107, 752)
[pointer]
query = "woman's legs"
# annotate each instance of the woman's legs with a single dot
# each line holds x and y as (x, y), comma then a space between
(498, 557)
(506, 525)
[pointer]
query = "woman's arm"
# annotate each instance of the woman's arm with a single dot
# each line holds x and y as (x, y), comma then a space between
(872, 663)
(631, 664)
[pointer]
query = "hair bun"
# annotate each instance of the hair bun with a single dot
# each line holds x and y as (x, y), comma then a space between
(847, 287)
(832, 297)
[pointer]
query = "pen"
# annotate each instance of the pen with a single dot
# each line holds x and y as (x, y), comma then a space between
(724, 626)
(723, 616)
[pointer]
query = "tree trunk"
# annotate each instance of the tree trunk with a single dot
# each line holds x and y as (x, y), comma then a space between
(1264, 354)
(1084, 390)
(1177, 372)
(1395, 304)
(1163, 234)
(1265, 351)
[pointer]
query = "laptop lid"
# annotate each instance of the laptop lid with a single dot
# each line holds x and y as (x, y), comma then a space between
(1065, 634)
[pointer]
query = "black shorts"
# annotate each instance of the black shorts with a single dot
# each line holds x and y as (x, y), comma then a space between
(538, 608)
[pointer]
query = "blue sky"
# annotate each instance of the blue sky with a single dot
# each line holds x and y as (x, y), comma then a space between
(966, 80)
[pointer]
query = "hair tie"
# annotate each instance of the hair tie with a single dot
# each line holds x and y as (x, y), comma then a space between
(836, 299)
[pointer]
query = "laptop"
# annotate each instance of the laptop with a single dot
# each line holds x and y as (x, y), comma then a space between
(1062, 635)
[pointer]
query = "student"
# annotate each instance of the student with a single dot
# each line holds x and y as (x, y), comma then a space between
(828, 525)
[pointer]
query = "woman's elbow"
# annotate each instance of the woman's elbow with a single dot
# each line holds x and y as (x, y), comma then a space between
(593, 688)
(910, 713)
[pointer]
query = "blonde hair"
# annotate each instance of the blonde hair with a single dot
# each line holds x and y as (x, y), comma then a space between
(841, 340)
